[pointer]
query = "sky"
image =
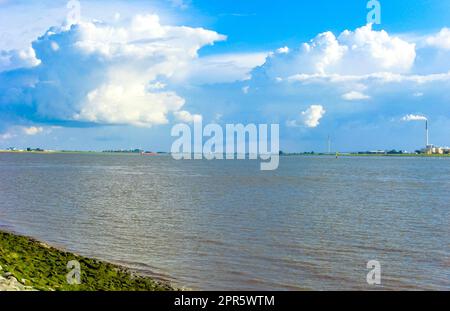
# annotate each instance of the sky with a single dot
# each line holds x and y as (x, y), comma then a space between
(121, 74)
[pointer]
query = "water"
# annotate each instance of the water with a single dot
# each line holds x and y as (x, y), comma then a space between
(224, 225)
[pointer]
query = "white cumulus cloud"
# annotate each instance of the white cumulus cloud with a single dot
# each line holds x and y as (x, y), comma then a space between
(186, 116)
(33, 130)
(354, 95)
(128, 103)
(360, 52)
(441, 40)
(283, 50)
(309, 118)
(14, 59)
(108, 73)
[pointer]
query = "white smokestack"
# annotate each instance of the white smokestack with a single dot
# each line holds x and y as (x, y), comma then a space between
(413, 117)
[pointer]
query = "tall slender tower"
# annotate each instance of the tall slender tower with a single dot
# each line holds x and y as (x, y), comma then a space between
(427, 134)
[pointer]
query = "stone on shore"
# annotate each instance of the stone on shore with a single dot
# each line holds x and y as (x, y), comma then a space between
(9, 283)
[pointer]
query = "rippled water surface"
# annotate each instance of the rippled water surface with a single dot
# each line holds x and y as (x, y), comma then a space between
(312, 224)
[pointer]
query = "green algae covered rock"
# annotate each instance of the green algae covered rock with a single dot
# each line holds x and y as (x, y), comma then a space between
(42, 267)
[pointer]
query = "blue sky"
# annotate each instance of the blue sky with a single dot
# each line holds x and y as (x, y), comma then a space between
(127, 71)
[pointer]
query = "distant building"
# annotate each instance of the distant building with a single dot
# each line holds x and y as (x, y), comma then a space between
(438, 150)
(431, 149)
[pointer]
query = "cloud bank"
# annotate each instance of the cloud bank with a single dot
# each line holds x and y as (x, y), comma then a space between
(98, 73)
(365, 76)
(358, 52)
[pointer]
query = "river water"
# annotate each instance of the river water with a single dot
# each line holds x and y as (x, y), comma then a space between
(313, 224)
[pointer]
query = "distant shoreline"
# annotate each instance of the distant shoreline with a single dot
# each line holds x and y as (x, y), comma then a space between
(411, 155)
(344, 154)
(67, 152)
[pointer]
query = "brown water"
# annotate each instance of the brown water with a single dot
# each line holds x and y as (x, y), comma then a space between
(312, 224)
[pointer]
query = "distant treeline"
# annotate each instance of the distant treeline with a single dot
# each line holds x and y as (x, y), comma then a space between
(124, 151)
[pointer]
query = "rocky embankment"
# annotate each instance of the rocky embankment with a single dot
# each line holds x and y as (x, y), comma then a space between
(28, 264)
(9, 283)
